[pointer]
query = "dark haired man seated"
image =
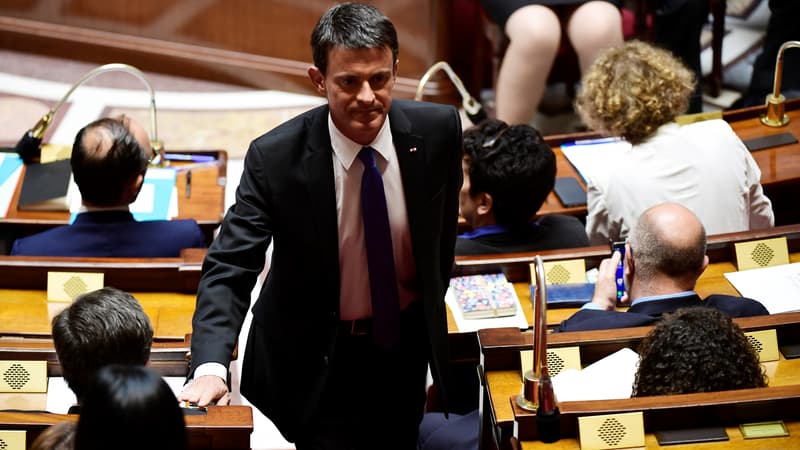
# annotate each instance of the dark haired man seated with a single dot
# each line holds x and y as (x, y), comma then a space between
(664, 257)
(508, 173)
(109, 160)
(102, 327)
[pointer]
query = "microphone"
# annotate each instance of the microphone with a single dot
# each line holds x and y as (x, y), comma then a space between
(29, 146)
(537, 394)
(776, 116)
(474, 110)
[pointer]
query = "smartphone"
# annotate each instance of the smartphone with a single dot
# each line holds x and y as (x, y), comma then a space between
(619, 276)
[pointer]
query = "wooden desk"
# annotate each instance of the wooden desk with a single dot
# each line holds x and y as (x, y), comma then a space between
(515, 266)
(464, 348)
(223, 427)
(166, 288)
(206, 203)
(501, 383)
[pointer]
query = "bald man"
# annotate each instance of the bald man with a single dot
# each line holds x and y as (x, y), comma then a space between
(109, 161)
(664, 256)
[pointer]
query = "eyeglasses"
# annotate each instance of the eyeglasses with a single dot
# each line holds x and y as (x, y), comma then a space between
(489, 143)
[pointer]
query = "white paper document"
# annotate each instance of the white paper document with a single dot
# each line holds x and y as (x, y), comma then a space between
(609, 378)
(594, 160)
(777, 287)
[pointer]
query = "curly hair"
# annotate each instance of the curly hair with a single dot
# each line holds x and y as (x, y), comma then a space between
(696, 349)
(514, 165)
(633, 89)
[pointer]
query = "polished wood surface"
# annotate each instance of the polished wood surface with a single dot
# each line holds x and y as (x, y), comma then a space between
(222, 427)
(205, 203)
(734, 434)
(263, 44)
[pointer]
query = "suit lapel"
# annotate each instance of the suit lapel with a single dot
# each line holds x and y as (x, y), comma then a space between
(410, 150)
(318, 166)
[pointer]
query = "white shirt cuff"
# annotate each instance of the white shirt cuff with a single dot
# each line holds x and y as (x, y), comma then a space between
(589, 305)
(212, 368)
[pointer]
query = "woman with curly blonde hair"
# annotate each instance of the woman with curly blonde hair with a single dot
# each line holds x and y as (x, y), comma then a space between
(635, 91)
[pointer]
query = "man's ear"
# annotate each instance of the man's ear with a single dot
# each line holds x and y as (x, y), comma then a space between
(703, 268)
(317, 78)
(629, 265)
(484, 203)
(134, 188)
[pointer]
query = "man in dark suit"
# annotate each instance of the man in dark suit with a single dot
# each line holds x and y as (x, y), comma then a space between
(332, 362)
(664, 257)
(109, 161)
(508, 173)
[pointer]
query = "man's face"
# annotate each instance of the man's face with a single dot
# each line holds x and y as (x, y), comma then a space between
(358, 85)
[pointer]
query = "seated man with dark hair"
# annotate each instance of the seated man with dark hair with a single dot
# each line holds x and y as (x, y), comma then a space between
(696, 350)
(109, 161)
(101, 327)
(508, 173)
(664, 256)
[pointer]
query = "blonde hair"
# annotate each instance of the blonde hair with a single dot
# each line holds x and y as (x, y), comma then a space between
(633, 89)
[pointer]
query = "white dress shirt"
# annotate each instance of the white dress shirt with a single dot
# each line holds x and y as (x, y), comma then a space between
(354, 294)
(703, 166)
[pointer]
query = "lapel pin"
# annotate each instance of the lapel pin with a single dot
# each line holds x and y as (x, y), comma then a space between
(412, 149)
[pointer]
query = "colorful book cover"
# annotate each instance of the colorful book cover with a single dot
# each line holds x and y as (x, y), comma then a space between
(481, 296)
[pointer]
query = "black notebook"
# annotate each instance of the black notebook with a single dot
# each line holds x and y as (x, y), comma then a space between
(45, 187)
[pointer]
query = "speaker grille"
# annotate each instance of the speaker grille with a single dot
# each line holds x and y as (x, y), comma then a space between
(558, 275)
(555, 364)
(75, 286)
(756, 344)
(611, 432)
(16, 376)
(3, 444)
(762, 254)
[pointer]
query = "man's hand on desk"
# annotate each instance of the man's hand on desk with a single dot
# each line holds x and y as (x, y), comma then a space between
(605, 289)
(206, 390)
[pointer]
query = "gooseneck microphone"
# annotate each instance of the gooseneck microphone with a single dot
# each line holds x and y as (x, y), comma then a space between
(474, 110)
(29, 146)
(776, 116)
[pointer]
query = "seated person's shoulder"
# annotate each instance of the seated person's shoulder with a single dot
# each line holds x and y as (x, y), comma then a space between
(570, 231)
(593, 319)
(736, 306)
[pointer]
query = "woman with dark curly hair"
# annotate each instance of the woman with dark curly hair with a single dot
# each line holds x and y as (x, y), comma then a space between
(696, 350)
(635, 91)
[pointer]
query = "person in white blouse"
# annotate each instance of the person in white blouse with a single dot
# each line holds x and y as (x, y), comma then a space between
(635, 91)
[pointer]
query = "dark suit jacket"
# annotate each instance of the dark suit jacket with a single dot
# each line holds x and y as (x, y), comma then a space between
(113, 234)
(287, 194)
(647, 313)
(552, 231)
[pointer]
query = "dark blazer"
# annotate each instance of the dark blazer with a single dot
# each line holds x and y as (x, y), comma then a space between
(647, 313)
(113, 234)
(287, 195)
(552, 231)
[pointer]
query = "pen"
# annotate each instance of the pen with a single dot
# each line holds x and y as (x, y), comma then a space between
(188, 183)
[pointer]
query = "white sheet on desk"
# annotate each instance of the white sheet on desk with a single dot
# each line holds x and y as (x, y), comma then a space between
(777, 287)
(60, 397)
(466, 325)
(594, 160)
(609, 378)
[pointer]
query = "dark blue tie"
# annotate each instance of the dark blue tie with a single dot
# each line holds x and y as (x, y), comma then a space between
(380, 258)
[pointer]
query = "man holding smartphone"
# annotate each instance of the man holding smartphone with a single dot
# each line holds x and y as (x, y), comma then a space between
(663, 258)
